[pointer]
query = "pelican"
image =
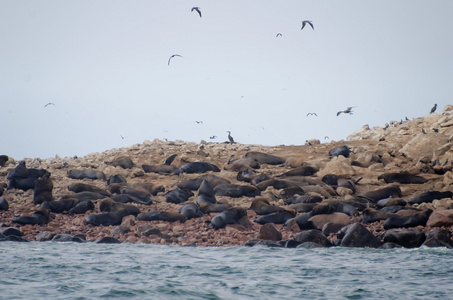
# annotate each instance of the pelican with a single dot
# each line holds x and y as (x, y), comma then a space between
(346, 111)
(305, 23)
(196, 9)
(172, 57)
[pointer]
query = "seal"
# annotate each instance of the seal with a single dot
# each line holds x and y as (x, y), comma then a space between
(79, 187)
(300, 171)
(105, 219)
(161, 169)
(342, 150)
(429, 196)
(279, 217)
(214, 208)
(161, 216)
(60, 206)
(124, 162)
(4, 206)
(194, 184)
(264, 158)
(241, 164)
(116, 179)
(109, 205)
(3, 160)
(178, 196)
(190, 211)
(86, 173)
(206, 194)
(376, 195)
(84, 196)
(39, 217)
(262, 207)
(251, 176)
(236, 191)
(199, 167)
(403, 178)
(42, 190)
(125, 198)
(229, 216)
(138, 193)
(370, 215)
(408, 221)
(81, 208)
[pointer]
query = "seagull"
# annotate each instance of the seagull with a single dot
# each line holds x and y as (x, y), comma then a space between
(198, 122)
(197, 9)
(346, 111)
(50, 103)
(305, 23)
(433, 109)
(312, 114)
(278, 34)
(172, 57)
(230, 137)
(213, 137)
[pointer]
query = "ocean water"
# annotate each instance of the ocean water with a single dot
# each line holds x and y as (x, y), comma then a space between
(50, 270)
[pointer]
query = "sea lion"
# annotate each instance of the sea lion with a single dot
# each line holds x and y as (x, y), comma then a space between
(236, 191)
(4, 206)
(206, 194)
(342, 150)
(190, 211)
(264, 158)
(278, 217)
(86, 173)
(251, 176)
(42, 190)
(289, 192)
(109, 205)
(39, 217)
(138, 193)
(403, 178)
(308, 198)
(169, 160)
(22, 183)
(199, 167)
(3, 160)
(229, 216)
(408, 221)
(276, 183)
(262, 207)
(161, 216)
(161, 169)
(214, 207)
(376, 195)
(429, 196)
(84, 196)
(370, 215)
(116, 179)
(78, 187)
(81, 207)
(178, 196)
(300, 171)
(194, 184)
(242, 164)
(60, 206)
(126, 198)
(105, 219)
(124, 162)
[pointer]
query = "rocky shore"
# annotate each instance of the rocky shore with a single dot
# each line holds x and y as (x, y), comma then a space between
(387, 186)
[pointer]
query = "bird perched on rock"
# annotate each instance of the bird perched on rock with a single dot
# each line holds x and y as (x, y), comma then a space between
(172, 57)
(307, 22)
(346, 111)
(433, 109)
(197, 9)
(230, 137)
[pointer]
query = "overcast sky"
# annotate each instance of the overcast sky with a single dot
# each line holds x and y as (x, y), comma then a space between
(104, 64)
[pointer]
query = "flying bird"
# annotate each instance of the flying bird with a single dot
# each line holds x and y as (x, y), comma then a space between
(199, 122)
(50, 103)
(197, 9)
(278, 34)
(312, 114)
(307, 22)
(172, 57)
(346, 111)
(213, 137)
(230, 137)
(433, 109)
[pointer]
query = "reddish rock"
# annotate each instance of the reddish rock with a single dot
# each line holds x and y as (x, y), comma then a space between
(270, 232)
(440, 217)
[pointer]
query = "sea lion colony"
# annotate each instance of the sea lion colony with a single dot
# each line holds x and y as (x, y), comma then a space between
(382, 187)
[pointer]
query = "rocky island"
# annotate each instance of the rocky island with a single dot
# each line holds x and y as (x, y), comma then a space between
(387, 186)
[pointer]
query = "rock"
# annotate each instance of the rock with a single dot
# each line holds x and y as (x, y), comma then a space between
(356, 235)
(408, 238)
(438, 238)
(3, 204)
(11, 231)
(67, 238)
(440, 217)
(270, 232)
(44, 236)
(313, 236)
(107, 240)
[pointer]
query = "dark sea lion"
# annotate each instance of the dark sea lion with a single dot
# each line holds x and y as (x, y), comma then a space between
(20, 171)
(105, 219)
(216, 207)
(63, 237)
(194, 184)
(42, 190)
(81, 208)
(170, 159)
(190, 211)
(408, 221)
(161, 216)
(86, 173)
(2, 188)
(236, 191)
(376, 195)
(342, 150)
(242, 164)
(251, 177)
(300, 171)
(291, 191)
(109, 205)
(199, 167)
(3, 160)
(4, 206)
(429, 196)
(308, 198)
(138, 193)
(124, 162)
(206, 194)
(264, 158)
(84, 196)
(302, 207)
(116, 179)
(178, 196)
(22, 183)
(161, 169)
(331, 179)
(276, 183)
(40, 217)
(59, 206)
(107, 240)
(279, 217)
(262, 207)
(126, 198)
(370, 215)
(78, 187)
(344, 207)
(403, 178)
(229, 216)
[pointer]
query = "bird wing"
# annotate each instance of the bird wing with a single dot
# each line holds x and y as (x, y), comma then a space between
(311, 25)
(338, 113)
(303, 25)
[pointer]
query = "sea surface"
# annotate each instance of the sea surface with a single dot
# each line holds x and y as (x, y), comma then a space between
(52, 270)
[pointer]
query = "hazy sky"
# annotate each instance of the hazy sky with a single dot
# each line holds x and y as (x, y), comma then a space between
(104, 66)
